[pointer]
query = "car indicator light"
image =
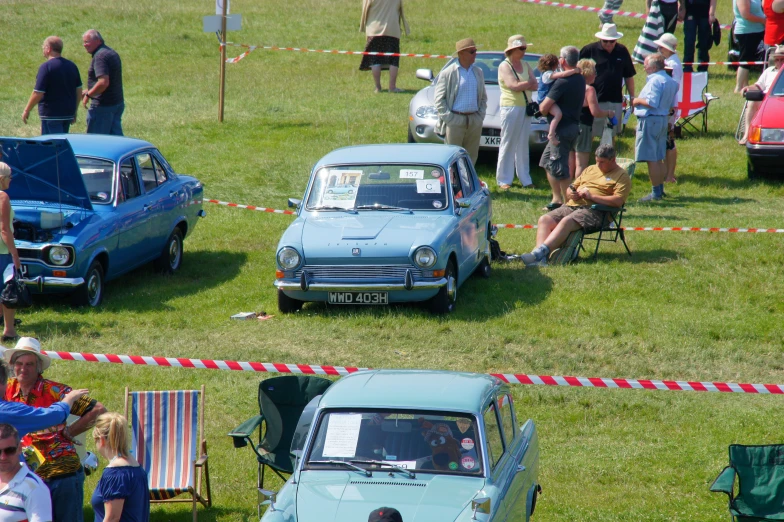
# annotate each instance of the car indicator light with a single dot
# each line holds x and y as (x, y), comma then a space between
(439, 273)
(58, 273)
(755, 134)
(278, 274)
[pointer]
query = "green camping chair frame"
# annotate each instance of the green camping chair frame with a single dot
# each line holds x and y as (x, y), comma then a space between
(612, 229)
(281, 401)
(754, 483)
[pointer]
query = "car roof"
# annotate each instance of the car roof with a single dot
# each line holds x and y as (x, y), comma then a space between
(412, 389)
(100, 145)
(403, 153)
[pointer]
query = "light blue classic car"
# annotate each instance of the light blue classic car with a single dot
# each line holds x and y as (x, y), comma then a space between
(89, 208)
(414, 226)
(435, 445)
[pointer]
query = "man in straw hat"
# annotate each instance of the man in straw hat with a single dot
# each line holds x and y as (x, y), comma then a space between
(62, 469)
(668, 45)
(461, 100)
(614, 67)
(764, 83)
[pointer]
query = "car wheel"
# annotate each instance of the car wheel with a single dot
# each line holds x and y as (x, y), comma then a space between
(410, 135)
(750, 170)
(171, 257)
(288, 305)
(91, 291)
(484, 270)
(445, 300)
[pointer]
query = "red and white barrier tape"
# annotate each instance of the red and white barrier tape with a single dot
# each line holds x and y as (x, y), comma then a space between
(252, 48)
(724, 63)
(533, 227)
(575, 7)
(511, 378)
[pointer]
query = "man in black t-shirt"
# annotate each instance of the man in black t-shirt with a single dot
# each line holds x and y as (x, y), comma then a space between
(57, 91)
(104, 87)
(569, 94)
(614, 66)
(697, 17)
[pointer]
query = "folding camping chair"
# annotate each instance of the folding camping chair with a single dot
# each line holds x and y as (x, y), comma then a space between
(758, 494)
(281, 401)
(693, 103)
(168, 441)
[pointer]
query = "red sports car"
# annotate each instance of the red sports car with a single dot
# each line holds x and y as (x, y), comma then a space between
(765, 147)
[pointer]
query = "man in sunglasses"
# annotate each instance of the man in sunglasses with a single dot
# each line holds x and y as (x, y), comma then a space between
(23, 495)
(461, 100)
(614, 67)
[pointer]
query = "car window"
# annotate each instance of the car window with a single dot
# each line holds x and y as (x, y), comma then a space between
(489, 63)
(778, 87)
(98, 176)
(495, 444)
(506, 408)
(129, 181)
(466, 177)
(153, 174)
(160, 173)
(457, 189)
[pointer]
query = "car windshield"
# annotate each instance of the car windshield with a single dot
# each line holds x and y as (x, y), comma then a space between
(98, 175)
(410, 441)
(778, 87)
(378, 187)
(489, 63)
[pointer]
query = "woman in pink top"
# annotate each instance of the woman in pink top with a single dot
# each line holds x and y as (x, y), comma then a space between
(381, 24)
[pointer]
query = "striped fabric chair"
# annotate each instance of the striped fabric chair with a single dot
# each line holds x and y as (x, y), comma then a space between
(168, 441)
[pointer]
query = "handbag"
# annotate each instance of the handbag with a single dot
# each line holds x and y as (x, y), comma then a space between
(15, 294)
(531, 107)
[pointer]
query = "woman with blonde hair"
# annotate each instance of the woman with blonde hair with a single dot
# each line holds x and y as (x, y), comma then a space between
(582, 146)
(8, 253)
(122, 494)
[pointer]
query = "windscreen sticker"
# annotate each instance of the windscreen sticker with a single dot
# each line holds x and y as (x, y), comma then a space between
(341, 188)
(468, 462)
(342, 435)
(430, 186)
(463, 425)
(435, 173)
(437, 204)
(412, 174)
(467, 443)
(453, 466)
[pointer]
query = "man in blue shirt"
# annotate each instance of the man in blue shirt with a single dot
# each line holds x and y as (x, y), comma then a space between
(653, 108)
(57, 91)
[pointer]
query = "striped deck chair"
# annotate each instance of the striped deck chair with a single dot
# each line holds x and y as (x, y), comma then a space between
(168, 441)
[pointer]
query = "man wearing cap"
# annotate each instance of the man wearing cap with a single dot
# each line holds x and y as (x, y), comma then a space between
(697, 16)
(667, 46)
(614, 67)
(461, 100)
(653, 109)
(764, 83)
(61, 470)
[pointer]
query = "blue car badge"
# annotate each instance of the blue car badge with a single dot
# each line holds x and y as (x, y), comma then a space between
(355, 251)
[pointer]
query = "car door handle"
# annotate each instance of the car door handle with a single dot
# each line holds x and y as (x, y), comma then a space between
(520, 468)
(173, 193)
(147, 207)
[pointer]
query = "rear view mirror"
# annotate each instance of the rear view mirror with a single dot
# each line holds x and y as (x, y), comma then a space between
(425, 74)
(379, 175)
(294, 203)
(754, 95)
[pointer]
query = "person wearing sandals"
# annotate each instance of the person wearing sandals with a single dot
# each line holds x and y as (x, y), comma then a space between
(8, 253)
(516, 80)
(584, 143)
(381, 24)
(122, 494)
(605, 183)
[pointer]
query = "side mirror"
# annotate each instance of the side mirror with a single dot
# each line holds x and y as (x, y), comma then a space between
(462, 203)
(425, 74)
(294, 203)
(754, 95)
(480, 505)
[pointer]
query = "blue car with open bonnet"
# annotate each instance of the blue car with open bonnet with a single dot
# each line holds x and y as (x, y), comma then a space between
(89, 208)
(434, 445)
(384, 224)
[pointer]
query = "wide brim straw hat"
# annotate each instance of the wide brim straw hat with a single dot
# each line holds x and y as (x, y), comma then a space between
(609, 32)
(668, 41)
(28, 345)
(515, 42)
(465, 43)
(778, 51)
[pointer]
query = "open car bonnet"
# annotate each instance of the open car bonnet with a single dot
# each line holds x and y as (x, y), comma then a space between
(44, 170)
(326, 496)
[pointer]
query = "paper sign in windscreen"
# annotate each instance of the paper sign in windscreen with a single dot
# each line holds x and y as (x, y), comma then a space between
(342, 435)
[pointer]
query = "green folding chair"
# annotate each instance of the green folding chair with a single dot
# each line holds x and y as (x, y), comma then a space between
(281, 401)
(754, 483)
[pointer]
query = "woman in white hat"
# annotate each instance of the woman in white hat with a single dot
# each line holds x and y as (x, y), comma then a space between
(8, 253)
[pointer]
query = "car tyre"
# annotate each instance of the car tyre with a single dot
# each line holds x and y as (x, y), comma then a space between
(484, 269)
(171, 257)
(445, 300)
(410, 135)
(91, 292)
(288, 305)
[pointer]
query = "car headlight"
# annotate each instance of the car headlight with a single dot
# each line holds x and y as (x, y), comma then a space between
(772, 135)
(425, 257)
(427, 112)
(59, 255)
(288, 258)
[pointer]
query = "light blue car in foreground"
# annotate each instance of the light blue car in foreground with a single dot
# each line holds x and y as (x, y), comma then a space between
(386, 223)
(436, 446)
(89, 208)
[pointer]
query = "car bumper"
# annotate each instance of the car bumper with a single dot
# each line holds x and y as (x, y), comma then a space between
(398, 293)
(423, 131)
(43, 284)
(766, 159)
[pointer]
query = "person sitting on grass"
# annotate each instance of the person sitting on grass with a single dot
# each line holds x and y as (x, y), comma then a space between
(548, 65)
(605, 183)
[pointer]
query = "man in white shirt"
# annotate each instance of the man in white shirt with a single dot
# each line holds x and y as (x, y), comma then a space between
(668, 45)
(23, 495)
(763, 84)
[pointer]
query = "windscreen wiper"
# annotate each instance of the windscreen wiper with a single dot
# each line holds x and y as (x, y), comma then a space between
(381, 207)
(380, 463)
(364, 471)
(326, 207)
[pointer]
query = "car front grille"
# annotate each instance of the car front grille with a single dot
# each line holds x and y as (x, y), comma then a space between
(359, 272)
(30, 253)
(490, 132)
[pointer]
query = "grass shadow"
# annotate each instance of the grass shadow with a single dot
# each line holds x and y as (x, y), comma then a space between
(683, 201)
(652, 257)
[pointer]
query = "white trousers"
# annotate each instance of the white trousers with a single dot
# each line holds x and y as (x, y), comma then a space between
(513, 151)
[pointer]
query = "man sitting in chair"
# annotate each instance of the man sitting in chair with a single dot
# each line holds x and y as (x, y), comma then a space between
(605, 183)
(763, 84)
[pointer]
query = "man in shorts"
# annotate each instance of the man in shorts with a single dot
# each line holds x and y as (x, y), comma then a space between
(605, 183)
(569, 94)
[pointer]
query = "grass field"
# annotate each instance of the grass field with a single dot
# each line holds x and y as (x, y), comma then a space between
(686, 306)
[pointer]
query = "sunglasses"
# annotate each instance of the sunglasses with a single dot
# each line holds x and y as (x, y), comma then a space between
(471, 51)
(9, 451)
(523, 48)
(608, 42)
